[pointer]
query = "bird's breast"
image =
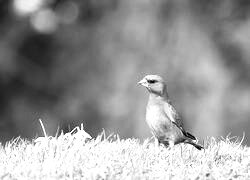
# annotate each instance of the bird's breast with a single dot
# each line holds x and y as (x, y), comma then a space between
(153, 113)
(156, 118)
(161, 126)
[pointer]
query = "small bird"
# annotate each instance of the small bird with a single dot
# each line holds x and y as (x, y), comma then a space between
(161, 117)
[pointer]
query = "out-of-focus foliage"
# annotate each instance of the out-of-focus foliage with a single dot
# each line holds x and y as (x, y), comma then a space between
(69, 62)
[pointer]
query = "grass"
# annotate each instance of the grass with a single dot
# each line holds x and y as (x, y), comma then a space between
(75, 156)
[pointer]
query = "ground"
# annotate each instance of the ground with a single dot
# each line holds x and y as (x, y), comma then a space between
(76, 155)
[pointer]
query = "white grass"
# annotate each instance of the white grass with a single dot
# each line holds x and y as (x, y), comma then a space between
(75, 156)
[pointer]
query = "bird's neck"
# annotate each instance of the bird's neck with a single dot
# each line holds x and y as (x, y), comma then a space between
(161, 97)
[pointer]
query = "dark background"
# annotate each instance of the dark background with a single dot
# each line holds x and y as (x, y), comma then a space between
(78, 61)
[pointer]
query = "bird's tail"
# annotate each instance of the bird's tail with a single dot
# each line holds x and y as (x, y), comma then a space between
(191, 139)
(189, 135)
(199, 147)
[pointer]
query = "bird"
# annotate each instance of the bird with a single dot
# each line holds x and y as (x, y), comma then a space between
(161, 116)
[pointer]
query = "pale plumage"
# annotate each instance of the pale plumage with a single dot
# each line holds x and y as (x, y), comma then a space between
(161, 116)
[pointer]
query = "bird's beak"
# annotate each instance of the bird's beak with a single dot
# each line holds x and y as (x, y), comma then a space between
(143, 82)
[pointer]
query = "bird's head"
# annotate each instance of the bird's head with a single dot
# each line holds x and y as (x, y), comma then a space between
(154, 83)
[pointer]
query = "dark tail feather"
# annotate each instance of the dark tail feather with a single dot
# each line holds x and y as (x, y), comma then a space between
(199, 147)
(187, 134)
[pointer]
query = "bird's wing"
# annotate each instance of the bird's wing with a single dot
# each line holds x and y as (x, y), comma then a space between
(176, 119)
(173, 115)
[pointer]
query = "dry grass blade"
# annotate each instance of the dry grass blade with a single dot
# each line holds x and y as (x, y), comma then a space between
(44, 132)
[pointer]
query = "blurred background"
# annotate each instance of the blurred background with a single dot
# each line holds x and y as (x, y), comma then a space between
(78, 61)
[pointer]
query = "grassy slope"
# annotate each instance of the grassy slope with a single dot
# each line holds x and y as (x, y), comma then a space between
(69, 156)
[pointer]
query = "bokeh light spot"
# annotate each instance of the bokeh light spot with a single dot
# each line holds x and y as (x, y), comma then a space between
(67, 12)
(44, 21)
(26, 7)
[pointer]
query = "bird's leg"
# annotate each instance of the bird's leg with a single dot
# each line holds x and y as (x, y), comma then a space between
(157, 142)
(171, 145)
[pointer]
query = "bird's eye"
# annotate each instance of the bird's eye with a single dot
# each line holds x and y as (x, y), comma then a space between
(151, 81)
